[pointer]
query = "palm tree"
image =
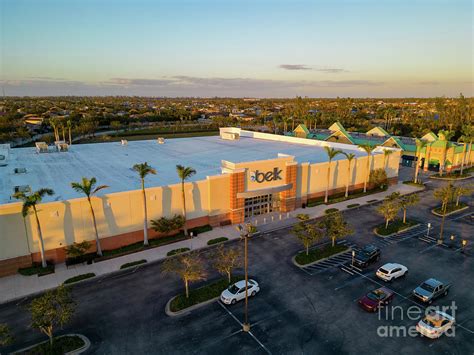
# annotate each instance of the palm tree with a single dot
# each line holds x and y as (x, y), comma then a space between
(87, 187)
(69, 127)
(419, 146)
(331, 152)
(368, 149)
(445, 135)
(386, 155)
(184, 173)
(349, 157)
(444, 194)
(29, 203)
(143, 170)
(466, 139)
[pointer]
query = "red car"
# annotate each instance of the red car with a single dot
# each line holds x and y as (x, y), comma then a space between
(372, 301)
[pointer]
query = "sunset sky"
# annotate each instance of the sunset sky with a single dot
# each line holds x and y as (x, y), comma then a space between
(258, 48)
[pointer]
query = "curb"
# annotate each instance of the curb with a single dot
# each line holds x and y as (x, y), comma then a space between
(187, 310)
(84, 348)
(318, 261)
(392, 234)
(450, 213)
(451, 179)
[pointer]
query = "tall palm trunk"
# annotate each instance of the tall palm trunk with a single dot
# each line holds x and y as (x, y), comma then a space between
(40, 235)
(327, 182)
(70, 136)
(417, 168)
(97, 241)
(184, 209)
(463, 157)
(367, 174)
(348, 178)
(145, 218)
(442, 222)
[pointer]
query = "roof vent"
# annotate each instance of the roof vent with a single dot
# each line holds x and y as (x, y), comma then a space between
(20, 170)
(22, 188)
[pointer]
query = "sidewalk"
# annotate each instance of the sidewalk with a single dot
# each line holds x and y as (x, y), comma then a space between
(19, 286)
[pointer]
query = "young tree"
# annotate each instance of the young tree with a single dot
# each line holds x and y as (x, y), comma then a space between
(331, 152)
(419, 146)
(54, 309)
(189, 268)
(184, 174)
(407, 201)
(466, 139)
(444, 194)
(143, 170)
(389, 210)
(29, 203)
(166, 225)
(350, 157)
(227, 259)
(378, 178)
(6, 337)
(307, 234)
(386, 156)
(368, 149)
(87, 187)
(335, 226)
(461, 190)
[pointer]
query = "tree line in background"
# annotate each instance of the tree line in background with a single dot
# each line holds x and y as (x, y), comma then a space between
(85, 115)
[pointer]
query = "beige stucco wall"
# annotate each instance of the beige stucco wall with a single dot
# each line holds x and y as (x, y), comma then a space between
(69, 221)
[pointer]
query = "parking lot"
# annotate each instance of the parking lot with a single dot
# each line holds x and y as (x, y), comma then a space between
(296, 311)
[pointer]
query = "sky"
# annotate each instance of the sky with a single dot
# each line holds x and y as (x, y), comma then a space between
(237, 48)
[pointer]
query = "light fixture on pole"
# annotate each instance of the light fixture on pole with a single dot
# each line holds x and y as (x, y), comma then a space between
(428, 231)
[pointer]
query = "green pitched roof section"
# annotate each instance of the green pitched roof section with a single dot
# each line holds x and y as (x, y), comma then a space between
(344, 133)
(302, 127)
(336, 126)
(378, 131)
(397, 141)
(430, 137)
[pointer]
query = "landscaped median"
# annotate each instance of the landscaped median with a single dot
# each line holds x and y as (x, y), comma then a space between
(450, 209)
(318, 254)
(64, 344)
(456, 175)
(395, 227)
(205, 294)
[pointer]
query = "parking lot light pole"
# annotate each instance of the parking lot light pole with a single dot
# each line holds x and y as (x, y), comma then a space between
(463, 245)
(244, 233)
(353, 257)
(428, 231)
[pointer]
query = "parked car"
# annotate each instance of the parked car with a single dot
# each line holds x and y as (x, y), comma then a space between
(391, 271)
(380, 297)
(435, 324)
(431, 289)
(236, 291)
(367, 255)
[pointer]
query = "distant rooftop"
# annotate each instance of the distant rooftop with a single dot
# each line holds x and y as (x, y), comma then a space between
(111, 163)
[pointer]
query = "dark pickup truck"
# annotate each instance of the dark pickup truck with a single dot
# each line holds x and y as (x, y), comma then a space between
(367, 255)
(431, 289)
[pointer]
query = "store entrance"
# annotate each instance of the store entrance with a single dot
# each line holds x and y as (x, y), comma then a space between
(258, 205)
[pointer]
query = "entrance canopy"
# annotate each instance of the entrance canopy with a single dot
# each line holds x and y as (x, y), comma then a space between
(265, 191)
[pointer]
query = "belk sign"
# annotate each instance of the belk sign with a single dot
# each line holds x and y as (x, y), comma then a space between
(260, 177)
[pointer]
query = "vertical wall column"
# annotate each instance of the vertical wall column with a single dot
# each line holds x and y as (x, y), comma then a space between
(237, 184)
(427, 157)
(288, 197)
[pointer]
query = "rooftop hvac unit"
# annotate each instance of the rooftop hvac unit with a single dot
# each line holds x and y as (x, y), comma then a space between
(161, 140)
(230, 136)
(61, 146)
(124, 142)
(41, 147)
(22, 188)
(20, 171)
(3, 160)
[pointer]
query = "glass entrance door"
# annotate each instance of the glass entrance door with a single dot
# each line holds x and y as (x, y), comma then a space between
(258, 205)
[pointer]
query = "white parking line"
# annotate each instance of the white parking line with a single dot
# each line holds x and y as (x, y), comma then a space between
(240, 323)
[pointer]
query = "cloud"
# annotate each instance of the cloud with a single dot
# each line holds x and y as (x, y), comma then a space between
(126, 81)
(294, 67)
(314, 68)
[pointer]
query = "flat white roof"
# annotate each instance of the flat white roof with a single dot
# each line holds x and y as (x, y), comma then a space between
(111, 163)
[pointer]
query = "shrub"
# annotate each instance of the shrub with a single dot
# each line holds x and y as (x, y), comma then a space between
(331, 210)
(37, 269)
(87, 258)
(302, 216)
(200, 229)
(177, 251)
(378, 178)
(78, 249)
(353, 205)
(166, 225)
(133, 263)
(79, 278)
(217, 240)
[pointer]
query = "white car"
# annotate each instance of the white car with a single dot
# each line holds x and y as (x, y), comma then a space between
(236, 292)
(435, 324)
(391, 271)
